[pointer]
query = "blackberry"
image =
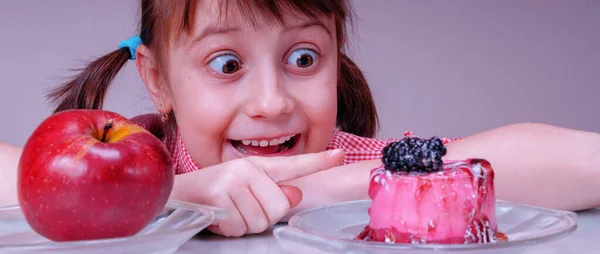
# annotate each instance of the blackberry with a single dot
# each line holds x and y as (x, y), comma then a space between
(413, 154)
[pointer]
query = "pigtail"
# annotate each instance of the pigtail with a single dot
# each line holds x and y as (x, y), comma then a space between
(87, 89)
(356, 109)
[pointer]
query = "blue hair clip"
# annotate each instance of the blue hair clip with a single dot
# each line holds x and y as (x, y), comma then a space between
(131, 43)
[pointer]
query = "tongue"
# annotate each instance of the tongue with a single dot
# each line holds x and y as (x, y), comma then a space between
(259, 150)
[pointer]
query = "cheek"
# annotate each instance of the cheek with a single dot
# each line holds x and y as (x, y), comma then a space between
(317, 99)
(320, 103)
(202, 116)
(320, 96)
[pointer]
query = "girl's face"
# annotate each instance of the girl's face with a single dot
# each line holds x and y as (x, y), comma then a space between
(240, 90)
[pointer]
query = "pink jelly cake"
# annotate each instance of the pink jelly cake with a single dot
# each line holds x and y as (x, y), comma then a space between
(416, 197)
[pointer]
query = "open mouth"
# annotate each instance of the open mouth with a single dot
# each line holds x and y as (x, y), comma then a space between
(265, 147)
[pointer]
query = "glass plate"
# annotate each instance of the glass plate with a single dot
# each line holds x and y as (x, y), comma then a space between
(177, 223)
(331, 229)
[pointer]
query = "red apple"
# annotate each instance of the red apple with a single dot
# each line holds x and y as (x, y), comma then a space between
(92, 174)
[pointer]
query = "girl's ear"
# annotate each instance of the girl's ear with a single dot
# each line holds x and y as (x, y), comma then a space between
(148, 69)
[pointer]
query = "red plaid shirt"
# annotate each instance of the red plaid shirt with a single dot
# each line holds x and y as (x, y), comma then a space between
(356, 148)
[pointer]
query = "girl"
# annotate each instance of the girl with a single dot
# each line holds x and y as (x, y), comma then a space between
(267, 116)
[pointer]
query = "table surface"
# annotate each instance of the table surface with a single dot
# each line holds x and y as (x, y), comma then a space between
(585, 239)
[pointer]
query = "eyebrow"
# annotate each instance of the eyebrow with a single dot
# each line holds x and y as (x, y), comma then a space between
(215, 29)
(311, 23)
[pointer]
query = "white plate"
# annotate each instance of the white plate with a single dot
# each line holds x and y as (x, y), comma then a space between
(331, 229)
(177, 223)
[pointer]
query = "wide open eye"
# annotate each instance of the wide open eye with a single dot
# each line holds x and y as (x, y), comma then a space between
(302, 58)
(225, 64)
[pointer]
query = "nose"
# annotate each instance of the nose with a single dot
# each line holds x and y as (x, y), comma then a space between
(269, 97)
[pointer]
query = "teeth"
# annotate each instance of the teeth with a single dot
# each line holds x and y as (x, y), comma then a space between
(264, 143)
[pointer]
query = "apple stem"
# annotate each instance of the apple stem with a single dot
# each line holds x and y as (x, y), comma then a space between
(107, 127)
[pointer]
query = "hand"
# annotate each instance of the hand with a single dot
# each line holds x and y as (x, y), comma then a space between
(9, 161)
(248, 188)
(351, 183)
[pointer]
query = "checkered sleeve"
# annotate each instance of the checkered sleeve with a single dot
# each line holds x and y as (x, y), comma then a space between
(359, 148)
(182, 160)
(150, 122)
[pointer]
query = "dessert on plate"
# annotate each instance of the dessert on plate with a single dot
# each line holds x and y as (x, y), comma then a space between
(416, 197)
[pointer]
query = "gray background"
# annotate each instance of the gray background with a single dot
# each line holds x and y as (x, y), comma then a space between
(449, 68)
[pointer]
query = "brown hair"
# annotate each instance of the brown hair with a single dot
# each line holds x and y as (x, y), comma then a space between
(163, 20)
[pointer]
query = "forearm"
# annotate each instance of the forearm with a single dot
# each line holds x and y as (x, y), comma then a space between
(539, 164)
(339, 184)
(9, 160)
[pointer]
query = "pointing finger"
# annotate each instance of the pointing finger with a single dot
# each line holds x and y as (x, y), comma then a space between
(288, 168)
